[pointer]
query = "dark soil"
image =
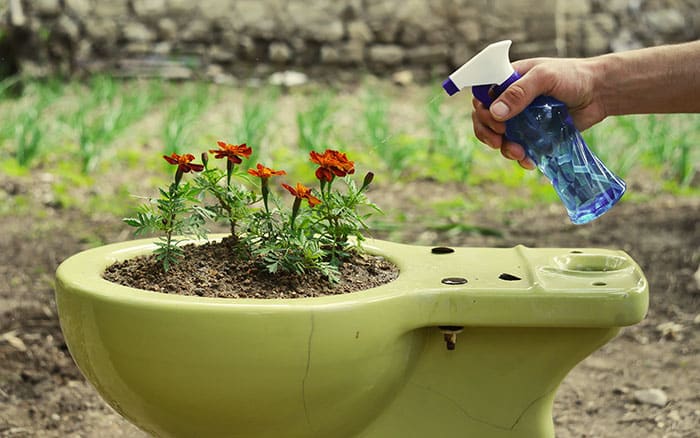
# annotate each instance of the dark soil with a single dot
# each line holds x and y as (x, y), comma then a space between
(42, 393)
(213, 270)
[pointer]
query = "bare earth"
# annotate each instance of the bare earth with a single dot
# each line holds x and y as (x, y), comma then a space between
(42, 394)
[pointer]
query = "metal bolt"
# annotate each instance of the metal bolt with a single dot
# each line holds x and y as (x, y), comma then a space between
(450, 335)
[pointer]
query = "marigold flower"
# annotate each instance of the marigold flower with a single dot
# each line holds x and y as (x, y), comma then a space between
(302, 192)
(232, 152)
(184, 162)
(332, 163)
(342, 161)
(265, 172)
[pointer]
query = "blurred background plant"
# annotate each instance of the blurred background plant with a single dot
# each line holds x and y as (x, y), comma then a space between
(253, 127)
(413, 138)
(104, 111)
(394, 148)
(177, 128)
(22, 129)
(315, 124)
(450, 144)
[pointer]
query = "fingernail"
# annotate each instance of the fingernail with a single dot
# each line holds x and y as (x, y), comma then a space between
(528, 164)
(499, 109)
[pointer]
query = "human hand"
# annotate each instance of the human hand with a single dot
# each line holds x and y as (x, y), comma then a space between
(572, 81)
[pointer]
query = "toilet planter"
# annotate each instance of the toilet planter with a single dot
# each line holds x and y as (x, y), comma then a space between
(465, 342)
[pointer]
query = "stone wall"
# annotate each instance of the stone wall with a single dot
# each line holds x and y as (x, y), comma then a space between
(592, 27)
(232, 38)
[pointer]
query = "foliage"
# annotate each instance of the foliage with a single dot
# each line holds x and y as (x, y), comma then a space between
(105, 113)
(665, 142)
(395, 150)
(174, 213)
(177, 129)
(320, 236)
(233, 200)
(253, 126)
(24, 129)
(672, 148)
(315, 124)
(448, 141)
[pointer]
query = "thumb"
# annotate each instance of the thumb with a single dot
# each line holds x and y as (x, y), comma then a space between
(518, 96)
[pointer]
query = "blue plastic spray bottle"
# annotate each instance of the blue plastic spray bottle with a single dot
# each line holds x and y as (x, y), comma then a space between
(546, 131)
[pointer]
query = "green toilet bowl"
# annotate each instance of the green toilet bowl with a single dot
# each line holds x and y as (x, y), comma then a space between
(467, 342)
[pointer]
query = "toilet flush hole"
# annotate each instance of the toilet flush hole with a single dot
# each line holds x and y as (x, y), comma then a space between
(576, 252)
(509, 277)
(600, 283)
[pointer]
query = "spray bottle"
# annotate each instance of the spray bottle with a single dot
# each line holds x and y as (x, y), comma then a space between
(546, 131)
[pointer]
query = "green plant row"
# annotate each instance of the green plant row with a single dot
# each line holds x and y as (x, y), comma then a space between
(81, 122)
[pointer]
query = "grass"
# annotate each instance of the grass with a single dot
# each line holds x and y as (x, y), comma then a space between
(450, 144)
(667, 144)
(178, 131)
(254, 124)
(24, 129)
(394, 148)
(676, 149)
(101, 128)
(105, 112)
(315, 124)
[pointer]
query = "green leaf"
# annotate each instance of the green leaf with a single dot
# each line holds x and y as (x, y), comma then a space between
(132, 221)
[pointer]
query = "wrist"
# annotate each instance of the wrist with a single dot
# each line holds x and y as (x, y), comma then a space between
(604, 71)
(651, 80)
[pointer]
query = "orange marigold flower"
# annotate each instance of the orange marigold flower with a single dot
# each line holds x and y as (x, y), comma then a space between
(231, 151)
(332, 163)
(302, 192)
(265, 172)
(342, 161)
(184, 162)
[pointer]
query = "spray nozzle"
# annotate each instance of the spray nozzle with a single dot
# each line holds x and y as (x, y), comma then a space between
(489, 67)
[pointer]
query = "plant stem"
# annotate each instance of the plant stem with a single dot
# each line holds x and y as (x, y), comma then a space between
(229, 172)
(295, 211)
(170, 221)
(265, 193)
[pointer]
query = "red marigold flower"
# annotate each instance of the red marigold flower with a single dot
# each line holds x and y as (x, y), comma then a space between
(332, 163)
(184, 162)
(231, 151)
(342, 162)
(265, 172)
(302, 192)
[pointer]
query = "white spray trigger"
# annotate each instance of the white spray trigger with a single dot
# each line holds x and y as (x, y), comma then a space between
(490, 66)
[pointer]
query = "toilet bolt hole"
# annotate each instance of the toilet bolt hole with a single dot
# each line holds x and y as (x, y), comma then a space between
(600, 283)
(442, 250)
(454, 280)
(451, 328)
(509, 277)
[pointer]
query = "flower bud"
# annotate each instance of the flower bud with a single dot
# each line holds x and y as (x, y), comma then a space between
(205, 158)
(178, 175)
(368, 180)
